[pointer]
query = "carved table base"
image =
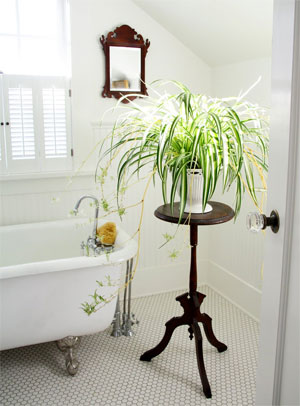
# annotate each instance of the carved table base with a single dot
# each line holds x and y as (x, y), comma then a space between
(191, 317)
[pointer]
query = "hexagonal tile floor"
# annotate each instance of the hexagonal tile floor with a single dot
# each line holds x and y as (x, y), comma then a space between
(111, 374)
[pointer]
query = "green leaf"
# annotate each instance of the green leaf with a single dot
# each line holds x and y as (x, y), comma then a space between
(238, 196)
(225, 157)
(164, 184)
(250, 179)
(183, 192)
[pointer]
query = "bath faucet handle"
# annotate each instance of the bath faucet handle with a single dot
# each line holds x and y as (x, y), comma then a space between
(83, 247)
(98, 251)
(91, 242)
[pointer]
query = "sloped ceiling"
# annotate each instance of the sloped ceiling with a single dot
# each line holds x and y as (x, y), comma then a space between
(220, 32)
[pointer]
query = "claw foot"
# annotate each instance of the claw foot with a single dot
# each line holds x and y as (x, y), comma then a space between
(68, 346)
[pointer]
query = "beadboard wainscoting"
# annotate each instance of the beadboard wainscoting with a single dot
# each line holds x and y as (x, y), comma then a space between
(42, 199)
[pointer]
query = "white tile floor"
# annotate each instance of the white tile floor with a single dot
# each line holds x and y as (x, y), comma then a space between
(111, 374)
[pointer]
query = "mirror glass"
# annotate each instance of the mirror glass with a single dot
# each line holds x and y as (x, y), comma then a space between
(125, 68)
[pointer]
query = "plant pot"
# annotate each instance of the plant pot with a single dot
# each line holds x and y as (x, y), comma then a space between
(194, 192)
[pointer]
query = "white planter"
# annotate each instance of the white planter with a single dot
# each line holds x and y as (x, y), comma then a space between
(194, 192)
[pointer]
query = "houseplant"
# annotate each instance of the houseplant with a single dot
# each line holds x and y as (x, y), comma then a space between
(184, 134)
(181, 135)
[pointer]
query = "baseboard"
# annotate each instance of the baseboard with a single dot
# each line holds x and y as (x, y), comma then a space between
(168, 278)
(234, 289)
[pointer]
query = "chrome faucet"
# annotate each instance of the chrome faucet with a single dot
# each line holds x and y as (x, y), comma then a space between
(92, 241)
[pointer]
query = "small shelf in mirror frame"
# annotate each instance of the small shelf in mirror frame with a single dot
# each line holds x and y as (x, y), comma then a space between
(125, 53)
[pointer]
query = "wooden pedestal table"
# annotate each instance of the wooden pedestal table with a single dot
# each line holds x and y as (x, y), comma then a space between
(192, 300)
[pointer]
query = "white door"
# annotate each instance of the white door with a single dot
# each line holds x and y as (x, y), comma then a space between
(278, 366)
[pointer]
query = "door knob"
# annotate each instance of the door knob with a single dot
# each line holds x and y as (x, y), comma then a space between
(256, 222)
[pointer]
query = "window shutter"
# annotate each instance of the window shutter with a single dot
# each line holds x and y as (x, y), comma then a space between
(22, 133)
(20, 112)
(38, 137)
(55, 128)
(56, 124)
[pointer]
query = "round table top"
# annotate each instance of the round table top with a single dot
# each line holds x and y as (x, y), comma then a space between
(220, 214)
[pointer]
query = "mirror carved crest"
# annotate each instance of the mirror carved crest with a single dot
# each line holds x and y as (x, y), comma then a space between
(125, 53)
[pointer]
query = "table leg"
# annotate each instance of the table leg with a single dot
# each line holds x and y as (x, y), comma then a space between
(206, 320)
(171, 325)
(207, 324)
(200, 360)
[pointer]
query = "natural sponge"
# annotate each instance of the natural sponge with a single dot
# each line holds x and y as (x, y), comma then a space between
(107, 233)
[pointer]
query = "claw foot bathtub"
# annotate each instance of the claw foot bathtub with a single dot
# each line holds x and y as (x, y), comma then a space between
(44, 278)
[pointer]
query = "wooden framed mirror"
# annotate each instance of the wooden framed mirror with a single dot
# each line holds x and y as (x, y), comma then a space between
(125, 53)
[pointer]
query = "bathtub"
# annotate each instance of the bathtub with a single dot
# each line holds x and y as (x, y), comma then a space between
(44, 278)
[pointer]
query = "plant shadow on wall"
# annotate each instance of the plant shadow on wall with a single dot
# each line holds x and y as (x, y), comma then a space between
(176, 138)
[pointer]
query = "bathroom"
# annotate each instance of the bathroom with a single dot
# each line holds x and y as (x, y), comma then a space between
(220, 49)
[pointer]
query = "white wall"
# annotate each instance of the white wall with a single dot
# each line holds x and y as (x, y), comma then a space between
(236, 255)
(230, 80)
(29, 200)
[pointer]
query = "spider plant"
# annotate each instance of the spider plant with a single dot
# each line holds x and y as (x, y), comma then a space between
(173, 133)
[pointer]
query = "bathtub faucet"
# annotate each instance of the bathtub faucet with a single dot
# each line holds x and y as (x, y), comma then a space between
(92, 241)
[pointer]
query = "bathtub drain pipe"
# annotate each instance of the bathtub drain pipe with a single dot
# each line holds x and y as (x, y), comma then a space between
(117, 331)
(128, 318)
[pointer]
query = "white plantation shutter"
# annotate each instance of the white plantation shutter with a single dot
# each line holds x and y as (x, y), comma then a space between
(55, 126)
(22, 138)
(20, 130)
(38, 137)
